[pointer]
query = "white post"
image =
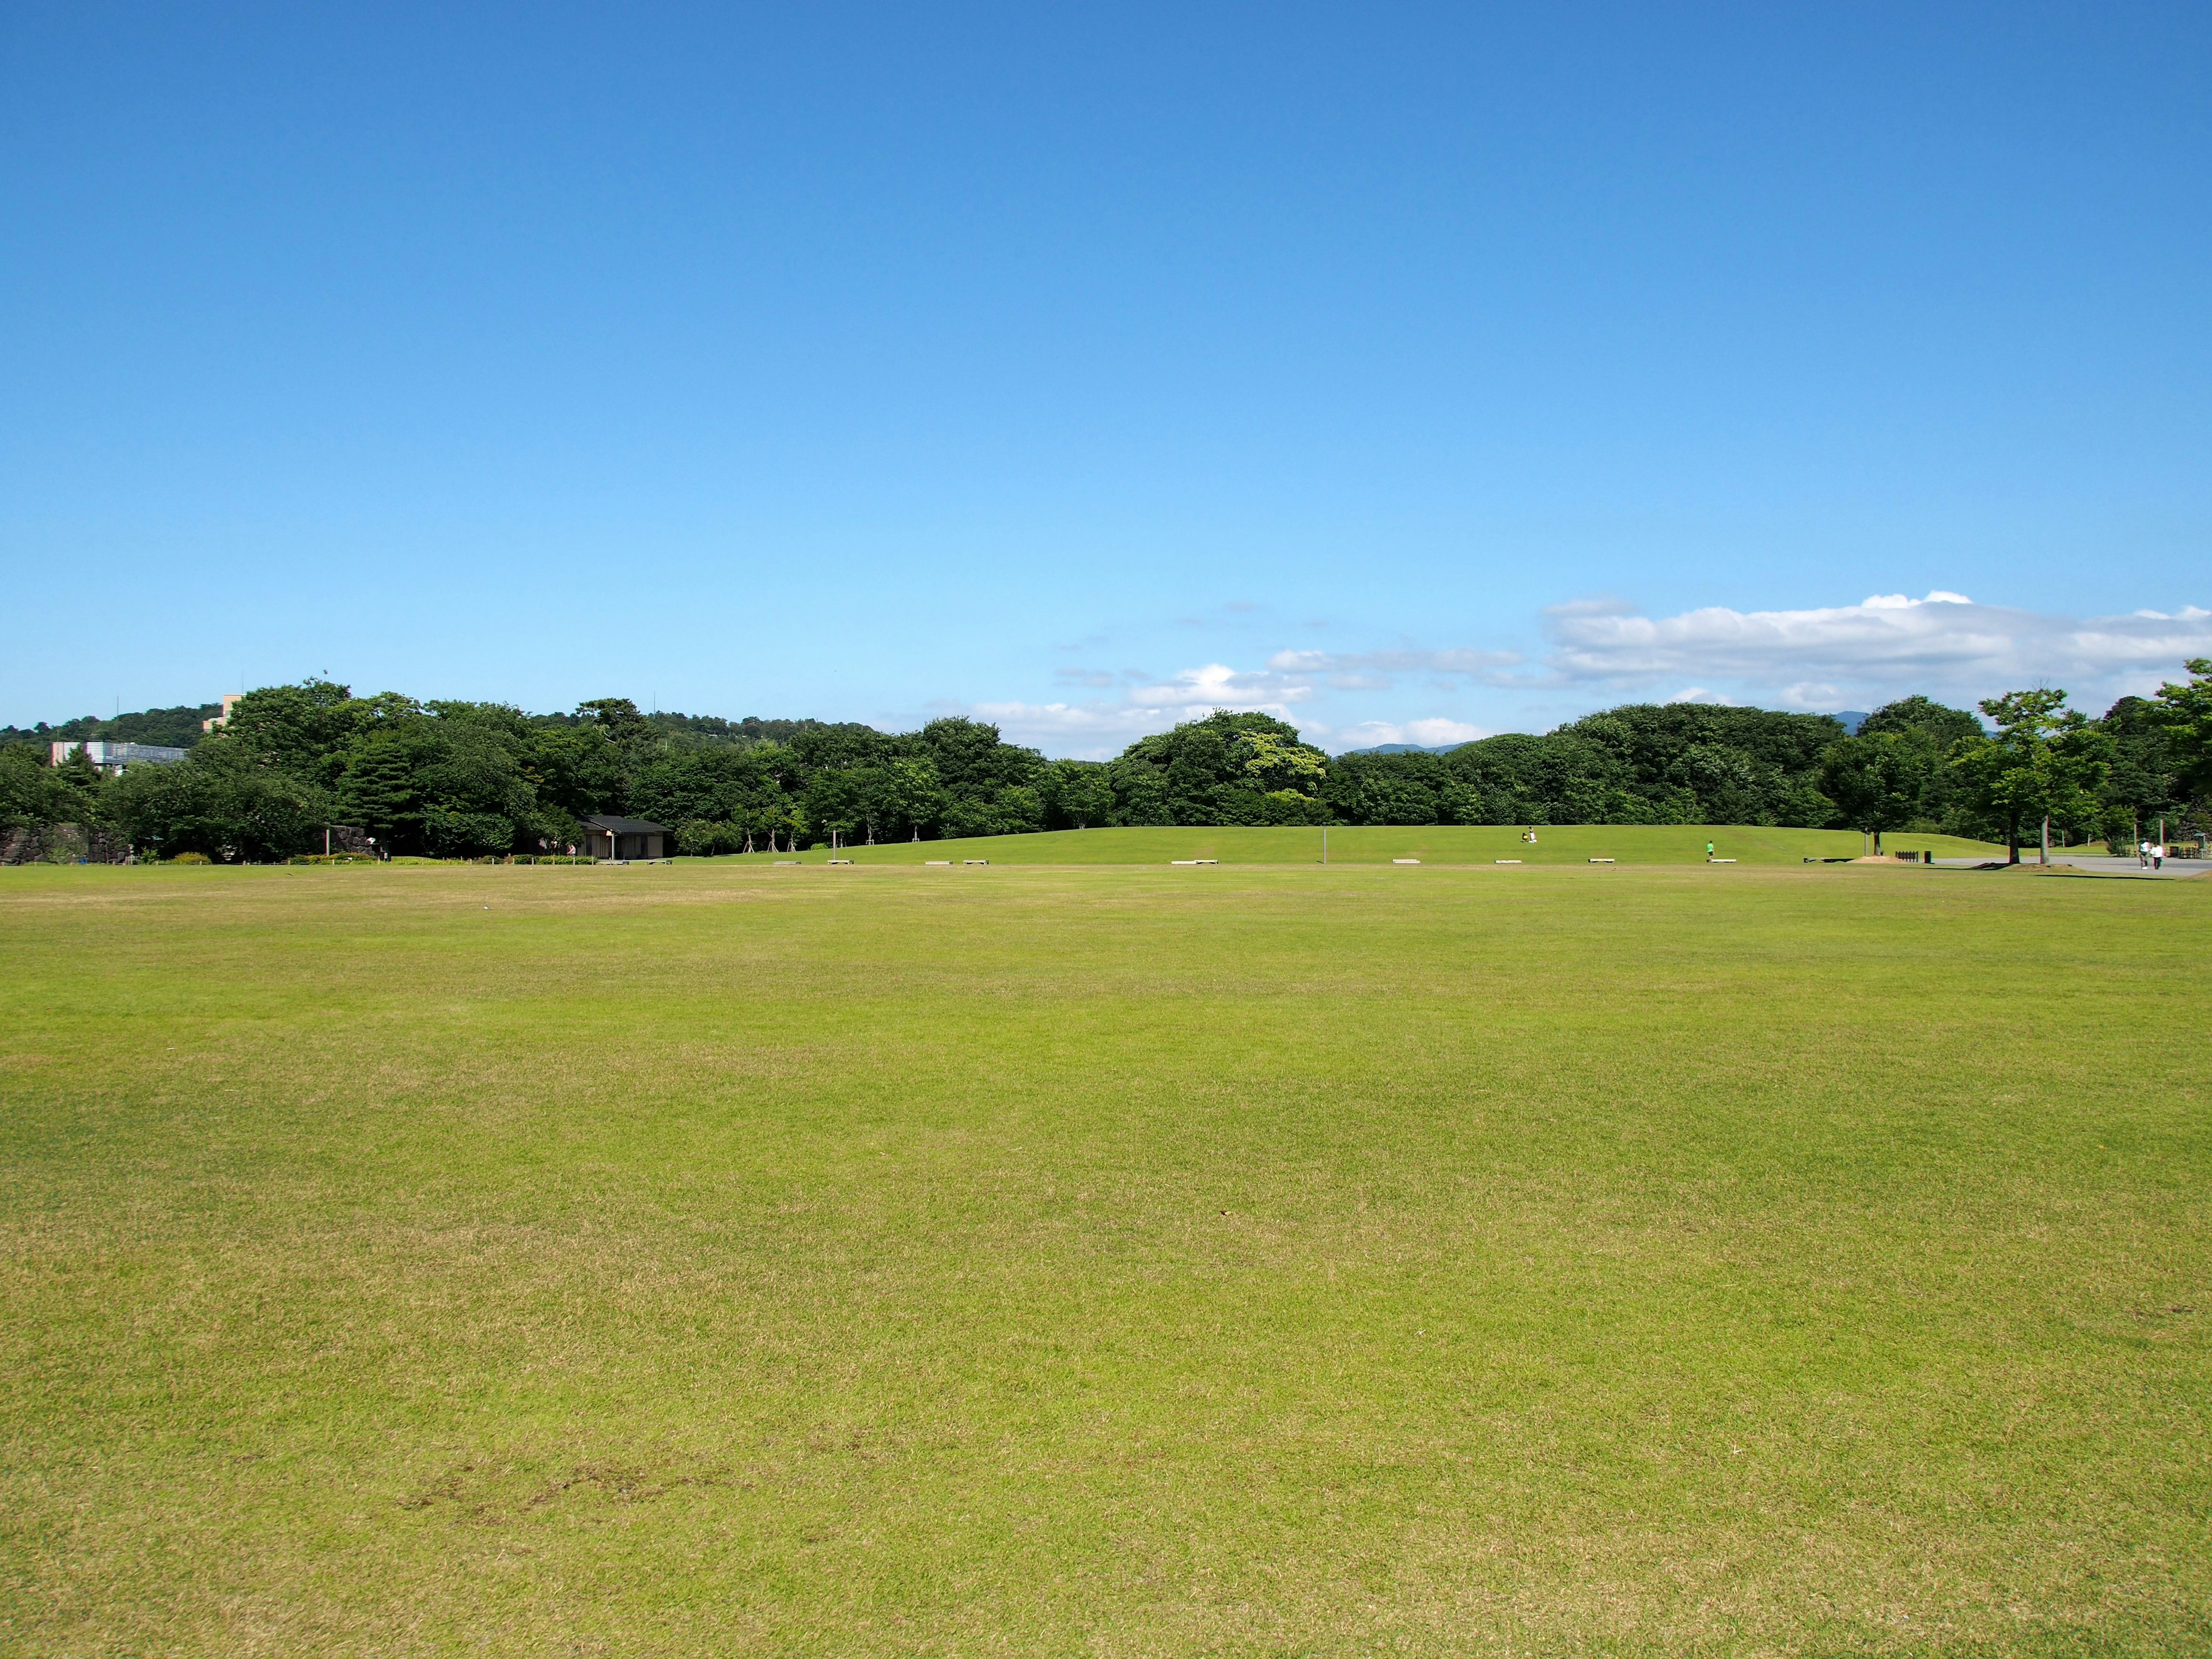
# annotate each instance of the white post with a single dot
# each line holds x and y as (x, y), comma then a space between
(2046, 839)
(1324, 843)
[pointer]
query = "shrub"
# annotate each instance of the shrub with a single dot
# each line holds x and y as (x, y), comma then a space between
(190, 858)
(704, 838)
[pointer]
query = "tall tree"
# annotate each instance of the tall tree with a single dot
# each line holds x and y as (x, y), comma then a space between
(34, 794)
(1929, 729)
(2186, 713)
(2143, 785)
(377, 790)
(1078, 794)
(2046, 760)
(1875, 782)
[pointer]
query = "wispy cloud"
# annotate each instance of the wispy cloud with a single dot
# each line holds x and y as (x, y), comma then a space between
(1833, 657)
(1104, 725)
(1888, 644)
(1372, 671)
(1431, 733)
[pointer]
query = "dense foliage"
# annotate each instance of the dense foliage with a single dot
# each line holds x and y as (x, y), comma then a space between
(172, 728)
(470, 780)
(1645, 764)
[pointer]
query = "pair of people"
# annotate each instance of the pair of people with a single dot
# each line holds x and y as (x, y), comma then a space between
(2151, 855)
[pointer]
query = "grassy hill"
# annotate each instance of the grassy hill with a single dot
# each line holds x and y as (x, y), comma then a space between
(1432, 844)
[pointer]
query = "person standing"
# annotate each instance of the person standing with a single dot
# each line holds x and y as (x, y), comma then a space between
(2158, 855)
(1709, 851)
(2142, 855)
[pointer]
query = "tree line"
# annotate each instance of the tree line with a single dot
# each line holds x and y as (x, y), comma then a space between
(460, 779)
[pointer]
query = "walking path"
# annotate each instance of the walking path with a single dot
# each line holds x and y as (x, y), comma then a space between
(2175, 870)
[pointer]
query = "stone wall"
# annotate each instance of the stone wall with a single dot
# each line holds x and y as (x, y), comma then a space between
(63, 843)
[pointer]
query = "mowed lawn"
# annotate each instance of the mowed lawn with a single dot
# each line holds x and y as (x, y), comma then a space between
(716, 1258)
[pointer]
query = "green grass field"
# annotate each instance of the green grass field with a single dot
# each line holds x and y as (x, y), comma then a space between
(713, 1259)
(1432, 843)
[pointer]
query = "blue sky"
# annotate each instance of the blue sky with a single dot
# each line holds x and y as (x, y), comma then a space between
(1414, 371)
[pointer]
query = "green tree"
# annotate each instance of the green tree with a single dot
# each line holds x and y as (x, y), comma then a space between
(305, 730)
(1078, 794)
(33, 793)
(1929, 729)
(577, 770)
(1215, 770)
(972, 760)
(1014, 811)
(223, 802)
(2045, 761)
(1385, 788)
(2144, 784)
(837, 803)
(1140, 791)
(2186, 711)
(618, 718)
(1916, 713)
(1875, 782)
(376, 789)
(1276, 762)
(909, 797)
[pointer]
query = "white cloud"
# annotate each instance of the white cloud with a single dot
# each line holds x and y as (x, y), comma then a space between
(1889, 644)
(1111, 724)
(1431, 734)
(1367, 670)
(1899, 602)
(1218, 686)
(1853, 656)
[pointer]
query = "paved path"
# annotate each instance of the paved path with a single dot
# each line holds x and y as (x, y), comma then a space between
(2176, 869)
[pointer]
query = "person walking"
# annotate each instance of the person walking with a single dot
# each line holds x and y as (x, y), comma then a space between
(2142, 855)
(2158, 855)
(1709, 851)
